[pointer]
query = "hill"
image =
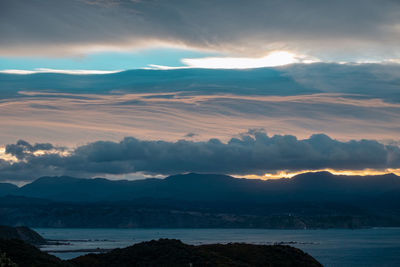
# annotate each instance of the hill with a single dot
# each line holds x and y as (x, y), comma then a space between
(24, 255)
(21, 233)
(165, 252)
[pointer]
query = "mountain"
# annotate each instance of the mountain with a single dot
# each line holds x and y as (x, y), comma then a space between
(310, 200)
(7, 189)
(214, 187)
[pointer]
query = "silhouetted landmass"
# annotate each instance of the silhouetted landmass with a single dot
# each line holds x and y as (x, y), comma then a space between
(6, 261)
(165, 252)
(311, 200)
(22, 233)
(24, 254)
(6, 189)
(211, 187)
(169, 252)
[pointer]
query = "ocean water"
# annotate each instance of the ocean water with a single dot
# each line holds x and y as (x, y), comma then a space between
(333, 247)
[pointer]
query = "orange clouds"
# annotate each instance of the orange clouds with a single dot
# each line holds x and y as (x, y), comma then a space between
(71, 119)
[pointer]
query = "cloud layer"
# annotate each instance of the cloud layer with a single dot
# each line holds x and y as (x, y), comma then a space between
(251, 153)
(335, 30)
(343, 101)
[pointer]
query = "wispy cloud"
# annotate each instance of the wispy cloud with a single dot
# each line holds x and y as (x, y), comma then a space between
(76, 118)
(335, 30)
(44, 70)
(339, 100)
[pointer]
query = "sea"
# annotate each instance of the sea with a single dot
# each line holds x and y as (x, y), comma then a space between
(332, 247)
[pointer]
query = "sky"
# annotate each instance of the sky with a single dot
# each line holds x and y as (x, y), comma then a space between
(138, 88)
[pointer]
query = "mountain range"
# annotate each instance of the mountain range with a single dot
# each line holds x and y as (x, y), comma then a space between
(209, 187)
(318, 199)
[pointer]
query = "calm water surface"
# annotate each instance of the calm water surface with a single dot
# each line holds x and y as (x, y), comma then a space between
(334, 247)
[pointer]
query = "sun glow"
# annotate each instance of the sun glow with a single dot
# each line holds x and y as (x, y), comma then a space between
(12, 159)
(273, 59)
(5, 156)
(62, 153)
(289, 174)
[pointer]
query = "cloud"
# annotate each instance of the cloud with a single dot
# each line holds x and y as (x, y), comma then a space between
(251, 153)
(44, 70)
(340, 100)
(277, 58)
(23, 149)
(372, 80)
(334, 30)
(190, 135)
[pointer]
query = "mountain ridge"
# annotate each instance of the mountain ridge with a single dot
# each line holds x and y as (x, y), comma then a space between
(207, 200)
(193, 186)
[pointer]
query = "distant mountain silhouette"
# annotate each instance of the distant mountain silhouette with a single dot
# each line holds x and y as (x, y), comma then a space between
(210, 187)
(7, 189)
(310, 200)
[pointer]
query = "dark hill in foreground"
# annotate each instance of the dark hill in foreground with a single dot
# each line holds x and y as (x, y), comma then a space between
(165, 252)
(22, 233)
(24, 255)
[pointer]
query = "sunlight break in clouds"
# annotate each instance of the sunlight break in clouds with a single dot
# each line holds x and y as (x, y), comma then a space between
(6, 156)
(273, 59)
(290, 174)
(252, 153)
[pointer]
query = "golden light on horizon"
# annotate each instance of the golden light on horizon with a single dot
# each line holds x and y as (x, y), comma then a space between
(289, 174)
(267, 176)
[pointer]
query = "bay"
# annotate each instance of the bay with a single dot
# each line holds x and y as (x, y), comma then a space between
(332, 247)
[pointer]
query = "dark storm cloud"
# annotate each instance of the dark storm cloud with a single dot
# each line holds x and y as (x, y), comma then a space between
(326, 28)
(251, 153)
